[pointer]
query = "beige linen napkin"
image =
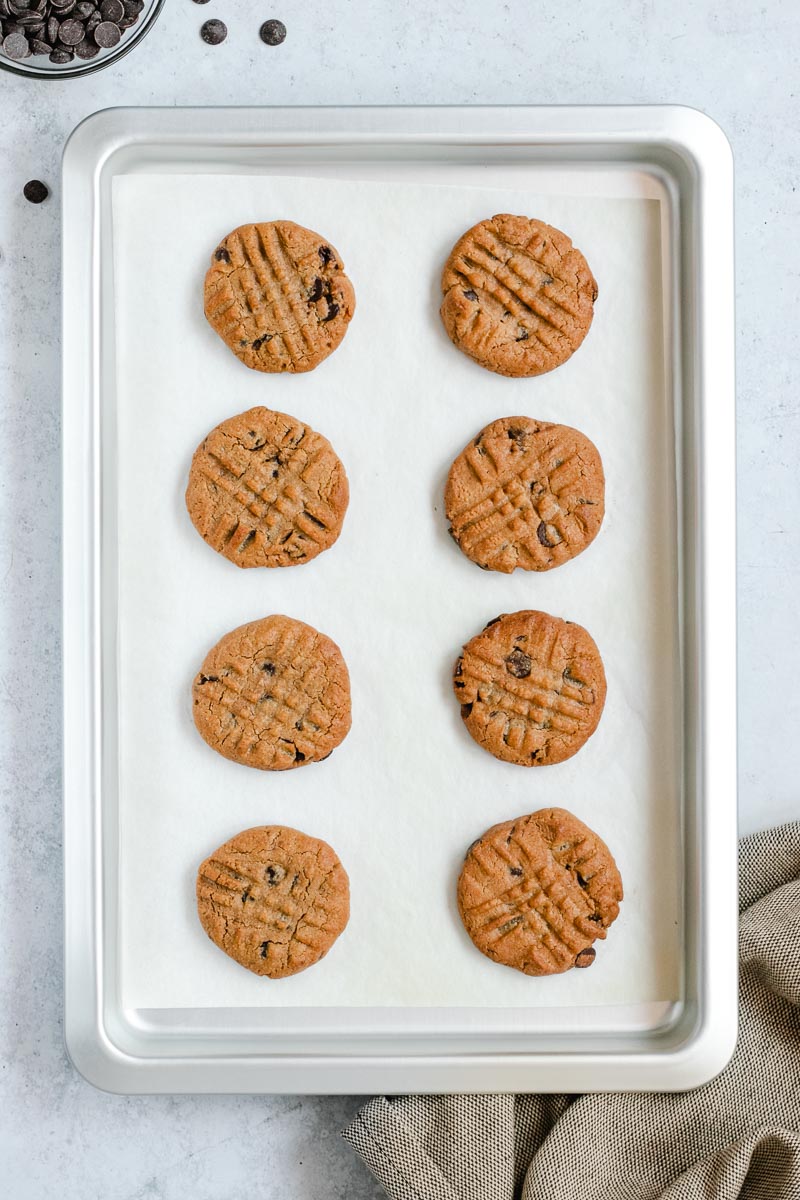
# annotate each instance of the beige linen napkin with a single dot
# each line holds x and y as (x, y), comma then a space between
(737, 1137)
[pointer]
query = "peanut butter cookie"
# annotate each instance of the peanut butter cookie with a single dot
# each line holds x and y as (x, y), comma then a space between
(273, 899)
(535, 893)
(518, 297)
(531, 688)
(525, 494)
(277, 295)
(273, 694)
(265, 490)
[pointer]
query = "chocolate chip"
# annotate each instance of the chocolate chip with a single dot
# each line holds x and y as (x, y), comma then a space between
(264, 945)
(515, 871)
(568, 677)
(38, 47)
(466, 709)
(107, 34)
(84, 9)
(208, 679)
(36, 191)
(273, 33)
(316, 291)
(519, 664)
(523, 335)
(459, 668)
(326, 254)
(268, 667)
(509, 925)
(52, 30)
(333, 309)
(214, 33)
(298, 755)
(274, 874)
(518, 436)
(15, 46)
(493, 621)
(222, 255)
(87, 49)
(111, 10)
(61, 57)
(470, 295)
(541, 533)
(259, 341)
(586, 957)
(71, 32)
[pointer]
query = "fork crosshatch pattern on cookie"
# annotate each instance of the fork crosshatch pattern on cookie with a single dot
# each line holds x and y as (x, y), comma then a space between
(531, 688)
(273, 694)
(525, 494)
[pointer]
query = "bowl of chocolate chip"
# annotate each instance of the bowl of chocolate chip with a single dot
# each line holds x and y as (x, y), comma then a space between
(57, 39)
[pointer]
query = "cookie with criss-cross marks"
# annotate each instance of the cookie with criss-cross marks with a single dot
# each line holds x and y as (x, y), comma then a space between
(531, 688)
(274, 899)
(273, 694)
(525, 494)
(277, 295)
(266, 490)
(535, 893)
(518, 296)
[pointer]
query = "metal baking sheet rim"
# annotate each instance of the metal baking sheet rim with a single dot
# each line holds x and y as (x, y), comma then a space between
(121, 1052)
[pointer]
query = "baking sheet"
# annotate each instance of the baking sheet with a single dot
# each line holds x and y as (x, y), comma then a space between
(408, 790)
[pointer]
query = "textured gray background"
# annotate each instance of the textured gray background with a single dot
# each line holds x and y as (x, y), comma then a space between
(738, 61)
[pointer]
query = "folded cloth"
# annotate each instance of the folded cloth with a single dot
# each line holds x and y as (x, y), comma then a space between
(736, 1137)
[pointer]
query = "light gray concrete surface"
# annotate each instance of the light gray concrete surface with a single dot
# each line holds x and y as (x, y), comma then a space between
(738, 62)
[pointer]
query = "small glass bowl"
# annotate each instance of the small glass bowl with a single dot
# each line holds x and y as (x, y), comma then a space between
(40, 67)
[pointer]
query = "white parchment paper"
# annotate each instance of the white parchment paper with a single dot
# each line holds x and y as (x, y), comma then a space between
(408, 790)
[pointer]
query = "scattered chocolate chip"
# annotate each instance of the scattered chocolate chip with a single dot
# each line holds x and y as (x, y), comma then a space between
(268, 667)
(273, 33)
(568, 677)
(36, 191)
(466, 709)
(586, 957)
(326, 254)
(333, 309)
(208, 679)
(470, 295)
(541, 533)
(509, 925)
(214, 33)
(259, 341)
(299, 756)
(493, 621)
(523, 335)
(316, 291)
(264, 945)
(515, 871)
(274, 874)
(519, 664)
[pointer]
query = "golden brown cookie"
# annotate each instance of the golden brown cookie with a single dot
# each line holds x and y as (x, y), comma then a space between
(518, 297)
(266, 490)
(273, 694)
(277, 295)
(535, 893)
(525, 494)
(273, 899)
(531, 688)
